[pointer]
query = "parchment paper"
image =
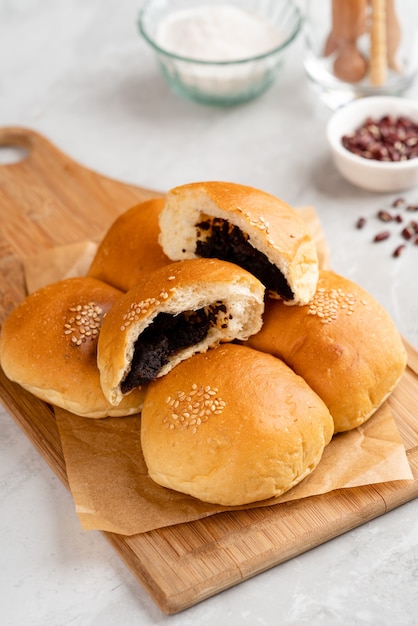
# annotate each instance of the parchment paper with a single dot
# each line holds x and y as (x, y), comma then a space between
(106, 470)
(112, 490)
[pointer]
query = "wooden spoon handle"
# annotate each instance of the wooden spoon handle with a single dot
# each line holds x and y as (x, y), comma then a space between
(378, 44)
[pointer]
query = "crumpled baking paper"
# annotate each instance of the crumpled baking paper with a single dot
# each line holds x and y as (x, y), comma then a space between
(112, 490)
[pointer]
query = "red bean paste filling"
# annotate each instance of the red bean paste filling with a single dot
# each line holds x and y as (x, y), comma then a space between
(222, 240)
(167, 335)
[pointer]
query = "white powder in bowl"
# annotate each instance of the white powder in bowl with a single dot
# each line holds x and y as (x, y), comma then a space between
(217, 33)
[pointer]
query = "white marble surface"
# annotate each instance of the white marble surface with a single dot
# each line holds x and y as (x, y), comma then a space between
(78, 72)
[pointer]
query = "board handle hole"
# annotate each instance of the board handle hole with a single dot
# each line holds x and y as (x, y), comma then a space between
(12, 154)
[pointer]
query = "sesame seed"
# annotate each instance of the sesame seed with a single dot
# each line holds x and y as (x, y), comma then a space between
(87, 322)
(137, 310)
(326, 304)
(187, 414)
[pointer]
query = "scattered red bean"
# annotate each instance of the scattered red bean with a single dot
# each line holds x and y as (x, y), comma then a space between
(399, 250)
(386, 139)
(385, 216)
(408, 232)
(384, 234)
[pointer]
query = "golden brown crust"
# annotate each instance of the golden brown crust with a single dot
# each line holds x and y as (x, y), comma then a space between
(274, 228)
(173, 289)
(130, 247)
(49, 344)
(232, 426)
(344, 344)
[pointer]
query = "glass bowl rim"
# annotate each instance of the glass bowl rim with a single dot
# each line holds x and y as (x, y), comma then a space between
(172, 55)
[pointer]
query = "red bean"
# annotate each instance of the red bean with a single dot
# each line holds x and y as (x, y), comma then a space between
(384, 234)
(408, 232)
(386, 139)
(399, 250)
(385, 216)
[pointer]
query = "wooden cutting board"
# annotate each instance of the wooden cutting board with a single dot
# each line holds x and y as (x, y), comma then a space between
(49, 200)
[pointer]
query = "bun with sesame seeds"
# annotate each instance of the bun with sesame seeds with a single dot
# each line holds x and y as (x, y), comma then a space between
(172, 313)
(130, 247)
(48, 345)
(343, 343)
(232, 426)
(246, 226)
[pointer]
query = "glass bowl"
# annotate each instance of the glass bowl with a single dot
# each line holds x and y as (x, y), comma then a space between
(343, 59)
(368, 173)
(218, 80)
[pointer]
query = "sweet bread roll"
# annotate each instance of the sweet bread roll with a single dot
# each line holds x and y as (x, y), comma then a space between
(172, 313)
(130, 247)
(232, 426)
(49, 346)
(343, 343)
(246, 226)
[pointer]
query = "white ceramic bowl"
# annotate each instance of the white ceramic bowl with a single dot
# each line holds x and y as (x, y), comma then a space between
(373, 175)
(221, 82)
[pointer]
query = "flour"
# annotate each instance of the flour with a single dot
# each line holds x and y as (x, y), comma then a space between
(217, 33)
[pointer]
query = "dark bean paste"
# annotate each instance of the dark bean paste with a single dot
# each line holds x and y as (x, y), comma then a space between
(165, 336)
(219, 239)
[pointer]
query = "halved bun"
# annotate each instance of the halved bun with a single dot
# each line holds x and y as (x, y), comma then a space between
(246, 226)
(343, 343)
(49, 346)
(232, 426)
(172, 313)
(130, 247)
